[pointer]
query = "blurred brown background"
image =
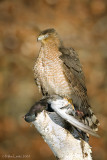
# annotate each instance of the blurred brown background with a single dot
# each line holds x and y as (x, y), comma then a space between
(80, 24)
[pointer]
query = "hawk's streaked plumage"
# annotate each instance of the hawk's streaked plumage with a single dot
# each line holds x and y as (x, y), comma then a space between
(58, 72)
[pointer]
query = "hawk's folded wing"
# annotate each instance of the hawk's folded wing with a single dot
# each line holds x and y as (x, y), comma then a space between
(73, 71)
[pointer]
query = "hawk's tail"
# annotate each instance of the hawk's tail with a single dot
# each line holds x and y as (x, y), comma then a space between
(91, 120)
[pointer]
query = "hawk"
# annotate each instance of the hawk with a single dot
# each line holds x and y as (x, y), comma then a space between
(58, 71)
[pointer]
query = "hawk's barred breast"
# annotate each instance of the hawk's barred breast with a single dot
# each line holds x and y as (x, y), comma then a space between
(49, 70)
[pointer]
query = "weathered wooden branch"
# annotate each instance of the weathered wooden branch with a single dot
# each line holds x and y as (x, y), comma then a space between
(61, 139)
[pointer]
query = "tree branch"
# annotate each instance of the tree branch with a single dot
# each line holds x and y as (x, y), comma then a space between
(61, 138)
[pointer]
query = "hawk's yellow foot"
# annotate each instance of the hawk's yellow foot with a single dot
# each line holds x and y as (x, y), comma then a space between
(70, 102)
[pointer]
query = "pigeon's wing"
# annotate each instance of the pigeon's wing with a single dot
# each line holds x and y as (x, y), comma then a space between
(64, 111)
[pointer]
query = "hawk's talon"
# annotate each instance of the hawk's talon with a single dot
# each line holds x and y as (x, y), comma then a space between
(70, 102)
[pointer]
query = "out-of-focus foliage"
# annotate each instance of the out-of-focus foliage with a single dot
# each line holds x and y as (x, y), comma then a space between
(82, 25)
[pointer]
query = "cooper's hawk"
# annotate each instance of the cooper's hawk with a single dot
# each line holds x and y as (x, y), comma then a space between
(58, 72)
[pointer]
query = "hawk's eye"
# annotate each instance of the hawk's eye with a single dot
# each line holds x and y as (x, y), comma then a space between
(42, 36)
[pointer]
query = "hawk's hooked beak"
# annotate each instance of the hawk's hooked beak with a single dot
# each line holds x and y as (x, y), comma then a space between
(41, 37)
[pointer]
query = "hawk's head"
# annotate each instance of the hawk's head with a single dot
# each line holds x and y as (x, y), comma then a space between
(49, 35)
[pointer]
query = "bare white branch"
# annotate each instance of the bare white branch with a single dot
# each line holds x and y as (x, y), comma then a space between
(61, 141)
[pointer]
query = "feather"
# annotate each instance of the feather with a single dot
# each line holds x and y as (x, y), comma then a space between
(60, 107)
(73, 71)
